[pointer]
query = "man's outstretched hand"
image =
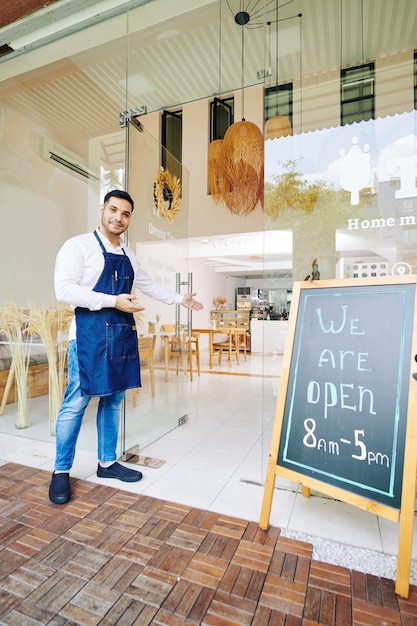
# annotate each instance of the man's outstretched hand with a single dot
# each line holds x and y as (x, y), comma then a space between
(190, 303)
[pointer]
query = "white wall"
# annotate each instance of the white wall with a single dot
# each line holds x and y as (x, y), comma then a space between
(41, 207)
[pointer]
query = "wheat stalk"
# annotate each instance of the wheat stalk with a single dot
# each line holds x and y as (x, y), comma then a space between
(12, 322)
(51, 326)
(43, 324)
(65, 316)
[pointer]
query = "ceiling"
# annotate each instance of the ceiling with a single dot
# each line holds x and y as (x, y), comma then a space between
(174, 51)
(179, 52)
(260, 254)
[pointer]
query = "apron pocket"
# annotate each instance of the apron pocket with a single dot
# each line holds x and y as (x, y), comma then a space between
(121, 341)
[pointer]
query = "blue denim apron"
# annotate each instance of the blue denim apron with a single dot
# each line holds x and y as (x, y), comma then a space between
(107, 342)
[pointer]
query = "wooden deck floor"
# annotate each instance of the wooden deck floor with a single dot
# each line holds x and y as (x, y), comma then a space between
(113, 557)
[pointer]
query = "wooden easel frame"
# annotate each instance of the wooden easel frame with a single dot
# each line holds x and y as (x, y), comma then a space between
(405, 514)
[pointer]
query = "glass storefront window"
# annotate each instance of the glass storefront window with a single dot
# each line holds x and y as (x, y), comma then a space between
(342, 194)
(348, 194)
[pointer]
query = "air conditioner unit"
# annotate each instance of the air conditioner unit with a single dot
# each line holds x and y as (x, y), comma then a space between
(66, 160)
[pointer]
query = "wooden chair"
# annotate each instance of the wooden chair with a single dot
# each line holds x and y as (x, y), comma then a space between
(229, 345)
(146, 359)
(193, 349)
(241, 340)
(183, 348)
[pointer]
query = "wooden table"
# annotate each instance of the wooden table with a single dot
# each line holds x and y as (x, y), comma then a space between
(211, 332)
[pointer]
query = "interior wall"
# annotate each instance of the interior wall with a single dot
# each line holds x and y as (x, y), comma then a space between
(41, 207)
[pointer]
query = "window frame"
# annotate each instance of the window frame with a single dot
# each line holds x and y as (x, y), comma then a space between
(361, 84)
(218, 105)
(168, 146)
(415, 78)
(277, 108)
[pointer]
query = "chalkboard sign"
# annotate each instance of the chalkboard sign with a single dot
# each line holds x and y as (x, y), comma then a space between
(346, 407)
(346, 414)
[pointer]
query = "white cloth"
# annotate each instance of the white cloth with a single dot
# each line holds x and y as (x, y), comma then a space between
(79, 264)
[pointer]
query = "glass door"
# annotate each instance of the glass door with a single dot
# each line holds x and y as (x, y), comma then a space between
(158, 234)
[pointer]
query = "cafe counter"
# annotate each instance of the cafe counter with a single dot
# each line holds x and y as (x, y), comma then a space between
(268, 336)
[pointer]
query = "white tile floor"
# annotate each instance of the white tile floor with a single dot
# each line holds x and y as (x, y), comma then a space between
(217, 460)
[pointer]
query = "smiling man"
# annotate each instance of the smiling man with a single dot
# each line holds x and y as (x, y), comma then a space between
(97, 274)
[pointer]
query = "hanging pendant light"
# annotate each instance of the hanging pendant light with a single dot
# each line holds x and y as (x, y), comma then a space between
(278, 125)
(243, 166)
(216, 179)
(242, 155)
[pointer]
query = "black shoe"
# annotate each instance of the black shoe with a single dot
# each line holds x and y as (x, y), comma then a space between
(59, 489)
(120, 472)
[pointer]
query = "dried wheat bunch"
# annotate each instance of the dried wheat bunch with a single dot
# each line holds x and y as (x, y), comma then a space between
(51, 326)
(12, 323)
(167, 190)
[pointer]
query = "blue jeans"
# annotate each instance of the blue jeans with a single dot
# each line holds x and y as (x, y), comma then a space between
(71, 414)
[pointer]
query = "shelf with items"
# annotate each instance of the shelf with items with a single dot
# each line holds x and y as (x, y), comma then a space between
(233, 319)
(240, 319)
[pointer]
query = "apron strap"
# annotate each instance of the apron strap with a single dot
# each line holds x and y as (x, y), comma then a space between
(102, 246)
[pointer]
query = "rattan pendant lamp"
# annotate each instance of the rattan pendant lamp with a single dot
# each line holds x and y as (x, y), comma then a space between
(242, 154)
(216, 180)
(278, 125)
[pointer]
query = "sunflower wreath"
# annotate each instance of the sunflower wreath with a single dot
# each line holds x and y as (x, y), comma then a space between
(167, 193)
